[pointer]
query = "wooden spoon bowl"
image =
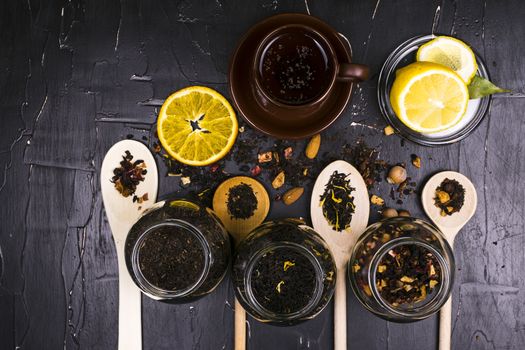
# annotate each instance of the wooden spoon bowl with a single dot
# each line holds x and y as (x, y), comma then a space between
(239, 229)
(449, 226)
(340, 243)
(122, 213)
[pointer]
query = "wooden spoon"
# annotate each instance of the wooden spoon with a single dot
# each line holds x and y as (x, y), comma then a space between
(122, 213)
(340, 243)
(239, 229)
(449, 226)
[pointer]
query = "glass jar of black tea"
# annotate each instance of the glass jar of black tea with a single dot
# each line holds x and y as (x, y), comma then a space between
(284, 272)
(177, 250)
(402, 269)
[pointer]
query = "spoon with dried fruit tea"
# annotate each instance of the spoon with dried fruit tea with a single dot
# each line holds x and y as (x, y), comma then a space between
(242, 204)
(339, 210)
(129, 182)
(449, 199)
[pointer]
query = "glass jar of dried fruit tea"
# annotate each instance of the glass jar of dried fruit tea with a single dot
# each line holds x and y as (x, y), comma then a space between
(177, 250)
(284, 272)
(402, 269)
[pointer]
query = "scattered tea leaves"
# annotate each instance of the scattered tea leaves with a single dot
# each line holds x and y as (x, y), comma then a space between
(367, 162)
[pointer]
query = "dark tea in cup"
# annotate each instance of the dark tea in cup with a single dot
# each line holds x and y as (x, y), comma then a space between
(295, 66)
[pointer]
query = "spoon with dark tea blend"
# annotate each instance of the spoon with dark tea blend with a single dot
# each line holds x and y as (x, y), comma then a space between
(129, 182)
(339, 210)
(242, 204)
(449, 199)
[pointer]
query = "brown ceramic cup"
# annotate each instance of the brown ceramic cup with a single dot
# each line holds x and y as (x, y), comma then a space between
(296, 67)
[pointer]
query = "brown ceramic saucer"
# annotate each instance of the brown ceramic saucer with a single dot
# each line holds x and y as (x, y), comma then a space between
(272, 120)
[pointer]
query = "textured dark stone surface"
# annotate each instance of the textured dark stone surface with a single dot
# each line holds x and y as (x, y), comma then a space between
(77, 76)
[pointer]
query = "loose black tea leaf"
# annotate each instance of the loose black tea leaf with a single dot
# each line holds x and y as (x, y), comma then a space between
(171, 258)
(241, 202)
(407, 274)
(337, 201)
(128, 175)
(481, 87)
(283, 281)
(450, 197)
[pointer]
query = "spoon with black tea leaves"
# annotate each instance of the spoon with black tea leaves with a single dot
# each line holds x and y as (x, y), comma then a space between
(449, 225)
(122, 212)
(239, 229)
(340, 243)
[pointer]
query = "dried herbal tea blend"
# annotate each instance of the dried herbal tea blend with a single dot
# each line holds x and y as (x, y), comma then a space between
(400, 263)
(171, 258)
(407, 274)
(337, 201)
(241, 202)
(283, 281)
(128, 175)
(450, 196)
(367, 162)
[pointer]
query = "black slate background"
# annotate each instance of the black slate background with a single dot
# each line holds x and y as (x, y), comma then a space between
(77, 76)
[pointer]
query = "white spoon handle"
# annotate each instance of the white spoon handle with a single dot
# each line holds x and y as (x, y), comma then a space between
(130, 313)
(445, 325)
(340, 310)
(240, 326)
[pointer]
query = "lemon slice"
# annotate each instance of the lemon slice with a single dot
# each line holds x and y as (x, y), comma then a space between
(428, 97)
(197, 126)
(452, 53)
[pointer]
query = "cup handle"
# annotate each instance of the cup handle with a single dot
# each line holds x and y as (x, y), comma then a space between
(352, 72)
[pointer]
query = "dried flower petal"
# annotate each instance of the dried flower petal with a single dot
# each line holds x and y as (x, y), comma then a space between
(264, 157)
(376, 200)
(389, 130)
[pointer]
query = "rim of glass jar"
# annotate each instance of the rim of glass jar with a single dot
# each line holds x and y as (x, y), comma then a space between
(159, 293)
(426, 309)
(297, 315)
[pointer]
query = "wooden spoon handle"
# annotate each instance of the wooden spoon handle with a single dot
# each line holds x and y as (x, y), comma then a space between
(445, 325)
(240, 326)
(129, 313)
(340, 310)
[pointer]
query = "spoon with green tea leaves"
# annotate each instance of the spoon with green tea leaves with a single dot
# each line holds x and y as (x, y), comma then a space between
(339, 211)
(450, 200)
(129, 183)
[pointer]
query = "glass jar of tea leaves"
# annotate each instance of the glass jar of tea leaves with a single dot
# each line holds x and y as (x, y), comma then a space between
(177, 250)
(283, 272)
(402, 269)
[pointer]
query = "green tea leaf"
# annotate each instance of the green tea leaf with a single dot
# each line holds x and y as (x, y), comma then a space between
(481, 87)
